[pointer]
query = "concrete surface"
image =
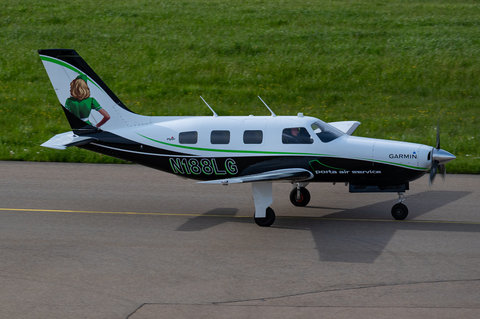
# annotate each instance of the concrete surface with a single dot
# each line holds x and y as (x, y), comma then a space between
(125, 241)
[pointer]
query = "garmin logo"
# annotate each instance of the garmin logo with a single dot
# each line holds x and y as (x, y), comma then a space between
(403, 156)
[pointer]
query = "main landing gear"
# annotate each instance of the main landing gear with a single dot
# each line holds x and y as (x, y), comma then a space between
(399, 210)
(300, 196)
(267, 220)
(262, 197)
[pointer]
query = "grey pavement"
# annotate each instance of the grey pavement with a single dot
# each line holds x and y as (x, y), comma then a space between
(125, 241)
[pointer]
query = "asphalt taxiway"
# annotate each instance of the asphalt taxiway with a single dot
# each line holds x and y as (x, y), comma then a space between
(125, 241)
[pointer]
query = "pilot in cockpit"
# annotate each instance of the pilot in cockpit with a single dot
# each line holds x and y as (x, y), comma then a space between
(296, 135)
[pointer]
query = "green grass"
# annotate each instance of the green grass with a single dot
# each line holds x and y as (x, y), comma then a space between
(399, 67)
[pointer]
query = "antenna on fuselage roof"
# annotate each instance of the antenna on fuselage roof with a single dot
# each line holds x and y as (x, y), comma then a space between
(273, 114)
(214, 114)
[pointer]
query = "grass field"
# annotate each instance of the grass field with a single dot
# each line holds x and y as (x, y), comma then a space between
(399, 67)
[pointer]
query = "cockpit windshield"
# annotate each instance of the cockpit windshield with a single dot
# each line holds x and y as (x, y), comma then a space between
(326, 133)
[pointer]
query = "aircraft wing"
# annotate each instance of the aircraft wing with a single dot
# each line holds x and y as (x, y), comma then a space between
(64, 140)
(287, 174)
(347, 127)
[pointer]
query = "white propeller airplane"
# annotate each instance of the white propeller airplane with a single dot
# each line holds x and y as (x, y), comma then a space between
(235, 149)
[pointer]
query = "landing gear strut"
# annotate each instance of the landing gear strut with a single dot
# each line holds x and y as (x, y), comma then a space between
(400, 211)
(300, 196)
(263, 197)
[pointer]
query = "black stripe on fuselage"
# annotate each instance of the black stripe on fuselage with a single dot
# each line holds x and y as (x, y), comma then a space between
(325, 169)
(115, 145)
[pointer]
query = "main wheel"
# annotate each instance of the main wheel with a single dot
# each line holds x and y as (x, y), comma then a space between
(267, 220)
(399, 211)
(304, 197)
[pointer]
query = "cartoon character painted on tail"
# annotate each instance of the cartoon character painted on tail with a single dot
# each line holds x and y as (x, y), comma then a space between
(81, 104)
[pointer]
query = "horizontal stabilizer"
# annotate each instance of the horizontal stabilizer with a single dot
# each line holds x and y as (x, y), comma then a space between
(347, 127)
(288, 174)
(64, 140)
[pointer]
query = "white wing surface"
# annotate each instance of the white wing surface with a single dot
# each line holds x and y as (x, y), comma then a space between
(288, 174)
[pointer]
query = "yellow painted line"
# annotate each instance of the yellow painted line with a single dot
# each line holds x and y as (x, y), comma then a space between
(238, 216)
(99, 212)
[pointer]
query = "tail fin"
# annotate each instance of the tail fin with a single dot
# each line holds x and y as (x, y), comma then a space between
(88, 103)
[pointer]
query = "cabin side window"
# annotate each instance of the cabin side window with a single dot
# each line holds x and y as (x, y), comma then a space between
(188, 137)
(296, 135)
(253, 137)
(220, 137)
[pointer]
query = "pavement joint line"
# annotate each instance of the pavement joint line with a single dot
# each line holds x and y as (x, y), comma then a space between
(239, 216)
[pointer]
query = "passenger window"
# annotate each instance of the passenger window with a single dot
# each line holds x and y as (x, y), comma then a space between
(220, 137)
(188, 137)
(253, 137)
(296, 135)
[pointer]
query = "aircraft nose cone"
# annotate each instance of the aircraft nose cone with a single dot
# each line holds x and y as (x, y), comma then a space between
(442, 156)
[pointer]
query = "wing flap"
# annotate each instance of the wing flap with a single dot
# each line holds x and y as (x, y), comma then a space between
(288, 174)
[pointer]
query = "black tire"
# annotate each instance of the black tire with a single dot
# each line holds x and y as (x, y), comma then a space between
(304, 197)
(399, 211)
(268, 220)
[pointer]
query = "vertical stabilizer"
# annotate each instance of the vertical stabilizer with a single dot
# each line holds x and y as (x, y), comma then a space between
(87, 101)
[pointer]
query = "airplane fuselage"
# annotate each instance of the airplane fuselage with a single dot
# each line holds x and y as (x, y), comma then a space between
(217, 147)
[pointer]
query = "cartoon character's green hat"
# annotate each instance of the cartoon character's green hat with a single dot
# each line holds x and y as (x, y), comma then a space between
(82, 77)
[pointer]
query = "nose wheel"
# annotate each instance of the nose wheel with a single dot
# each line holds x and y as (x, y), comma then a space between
(399, 210)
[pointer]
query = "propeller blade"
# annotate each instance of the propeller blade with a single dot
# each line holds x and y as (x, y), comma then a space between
(439, 159)
(433, 172)
(438, 136)
(442, 170)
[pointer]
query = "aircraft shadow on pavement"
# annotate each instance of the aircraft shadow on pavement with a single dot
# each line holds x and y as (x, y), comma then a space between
(418, 204)
(209, 219)
(352, 241)
(360, 242)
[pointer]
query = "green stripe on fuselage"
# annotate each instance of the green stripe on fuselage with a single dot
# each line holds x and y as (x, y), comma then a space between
(273, 153)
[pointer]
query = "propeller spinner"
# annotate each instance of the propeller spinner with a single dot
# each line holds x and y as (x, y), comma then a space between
(439, 159)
